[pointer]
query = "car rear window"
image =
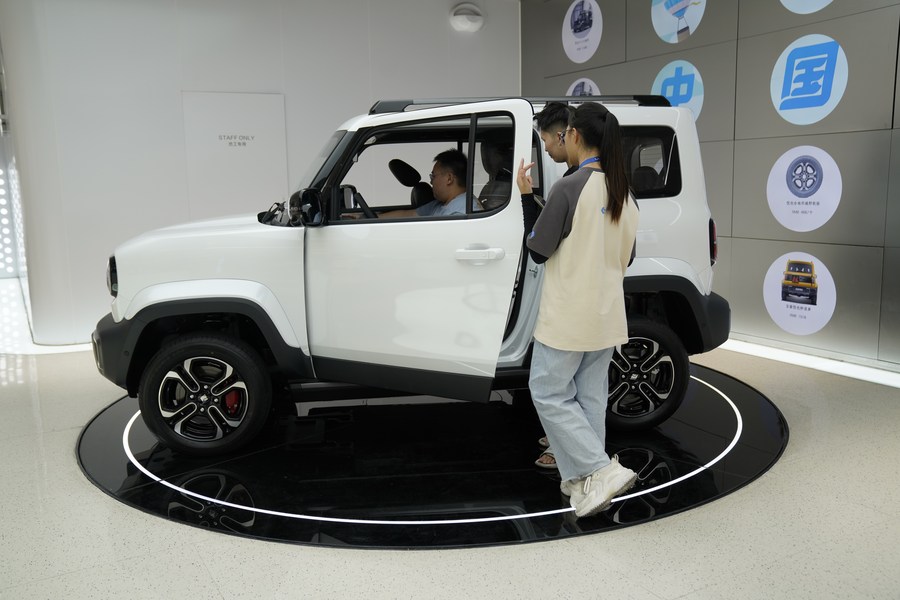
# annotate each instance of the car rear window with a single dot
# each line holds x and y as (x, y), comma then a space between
(651, 161)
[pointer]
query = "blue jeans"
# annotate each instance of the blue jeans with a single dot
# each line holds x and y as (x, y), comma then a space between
(569, 391)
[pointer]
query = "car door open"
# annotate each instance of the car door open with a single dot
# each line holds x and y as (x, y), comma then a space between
(419, 303)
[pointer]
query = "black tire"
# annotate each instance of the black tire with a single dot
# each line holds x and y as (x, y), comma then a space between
(648, 377)
(205, 394)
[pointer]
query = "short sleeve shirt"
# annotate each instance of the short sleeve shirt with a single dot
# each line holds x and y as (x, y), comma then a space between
(456, 206)
(582, 301)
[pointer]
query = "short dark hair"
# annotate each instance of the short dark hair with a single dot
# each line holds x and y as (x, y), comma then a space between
(454, 161)
(555, 115)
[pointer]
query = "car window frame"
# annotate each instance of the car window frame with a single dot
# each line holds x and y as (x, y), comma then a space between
(331, 189)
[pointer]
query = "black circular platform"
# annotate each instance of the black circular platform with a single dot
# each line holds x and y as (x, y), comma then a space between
(430, 476)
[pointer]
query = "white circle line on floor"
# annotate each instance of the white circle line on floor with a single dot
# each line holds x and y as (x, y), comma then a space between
(275, 513)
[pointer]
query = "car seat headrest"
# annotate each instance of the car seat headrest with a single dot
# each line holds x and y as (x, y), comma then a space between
(644, 179)
(404, 172)
(496, 157)
(421, 194)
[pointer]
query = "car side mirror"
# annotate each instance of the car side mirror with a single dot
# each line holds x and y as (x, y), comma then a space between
(306, 208)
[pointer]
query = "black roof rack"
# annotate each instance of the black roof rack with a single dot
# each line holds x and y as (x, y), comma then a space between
(639, 99)
(390, 106)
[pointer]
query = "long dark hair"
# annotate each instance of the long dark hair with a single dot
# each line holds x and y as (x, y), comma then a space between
(600, 129)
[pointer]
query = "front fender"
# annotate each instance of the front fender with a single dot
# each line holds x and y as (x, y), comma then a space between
(197, 293)
(121, 350)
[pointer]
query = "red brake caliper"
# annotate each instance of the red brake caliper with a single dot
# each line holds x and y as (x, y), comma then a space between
(232, 402)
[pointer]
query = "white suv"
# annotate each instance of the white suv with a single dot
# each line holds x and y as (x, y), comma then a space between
(215, 323)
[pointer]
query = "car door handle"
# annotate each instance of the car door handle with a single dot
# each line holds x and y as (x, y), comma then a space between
(480, 256)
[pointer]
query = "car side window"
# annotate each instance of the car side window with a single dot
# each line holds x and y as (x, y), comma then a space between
(372, 174)
(393, 172)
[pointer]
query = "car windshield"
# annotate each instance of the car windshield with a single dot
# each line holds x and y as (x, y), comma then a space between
(319, 166)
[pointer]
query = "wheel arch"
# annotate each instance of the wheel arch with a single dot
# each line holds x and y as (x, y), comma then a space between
(243, 319)
(702, 322)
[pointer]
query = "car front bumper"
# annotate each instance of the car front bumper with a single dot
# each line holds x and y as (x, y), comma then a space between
(801, 292)
(110, 342)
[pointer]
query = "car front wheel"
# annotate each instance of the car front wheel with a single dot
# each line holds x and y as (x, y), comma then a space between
(648, 377)
(205, 394)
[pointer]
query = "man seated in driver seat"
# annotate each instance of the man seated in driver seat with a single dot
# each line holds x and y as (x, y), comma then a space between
(448, 180)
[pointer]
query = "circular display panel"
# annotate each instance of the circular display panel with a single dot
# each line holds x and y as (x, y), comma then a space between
(680, 82)
(582, 29)
(583, 87)
(799, 293)
(809, 79)
(805, 7)
(675, 20)
(804, 188)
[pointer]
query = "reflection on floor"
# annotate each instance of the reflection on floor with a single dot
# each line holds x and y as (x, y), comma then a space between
(440, 475)
(15, 331)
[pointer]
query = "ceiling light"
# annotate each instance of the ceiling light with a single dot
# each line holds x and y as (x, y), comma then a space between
(466, 17)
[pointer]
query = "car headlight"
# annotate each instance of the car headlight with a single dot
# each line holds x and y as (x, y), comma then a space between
(112, 277)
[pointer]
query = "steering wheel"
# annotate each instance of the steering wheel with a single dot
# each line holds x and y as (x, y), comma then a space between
(368, 212)
(358, 199)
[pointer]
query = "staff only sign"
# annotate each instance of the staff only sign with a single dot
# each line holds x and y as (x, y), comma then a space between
(236, 141)
(236, 152)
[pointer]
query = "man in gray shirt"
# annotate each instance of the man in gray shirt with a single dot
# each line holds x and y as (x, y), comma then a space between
(448, 180)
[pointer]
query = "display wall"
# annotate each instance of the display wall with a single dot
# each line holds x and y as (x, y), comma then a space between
(103, 102)
(795, 103)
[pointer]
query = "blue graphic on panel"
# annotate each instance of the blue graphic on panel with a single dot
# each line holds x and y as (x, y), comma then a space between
(679, 88)
(675, 20)
(809, 79)
(677, 7)
(681, 83)
(808, 76)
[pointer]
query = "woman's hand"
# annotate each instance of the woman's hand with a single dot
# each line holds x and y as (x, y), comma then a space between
(523, 179)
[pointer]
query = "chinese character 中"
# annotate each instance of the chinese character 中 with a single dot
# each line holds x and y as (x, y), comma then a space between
(808, 76)
(679, 88)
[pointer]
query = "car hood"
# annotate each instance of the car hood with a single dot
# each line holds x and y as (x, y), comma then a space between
(228, 248)
(205, 226)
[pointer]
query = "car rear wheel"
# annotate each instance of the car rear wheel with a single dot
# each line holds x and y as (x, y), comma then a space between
(648, 377)
(205, 394)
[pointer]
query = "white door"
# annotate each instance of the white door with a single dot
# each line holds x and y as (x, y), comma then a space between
(419, 304)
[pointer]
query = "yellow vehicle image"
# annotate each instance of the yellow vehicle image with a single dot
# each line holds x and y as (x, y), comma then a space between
(800, 281)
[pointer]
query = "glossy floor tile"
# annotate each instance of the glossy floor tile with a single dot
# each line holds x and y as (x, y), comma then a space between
(823, 522)
(394, 476)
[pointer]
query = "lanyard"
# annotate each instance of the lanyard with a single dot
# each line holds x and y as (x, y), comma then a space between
(590, 160)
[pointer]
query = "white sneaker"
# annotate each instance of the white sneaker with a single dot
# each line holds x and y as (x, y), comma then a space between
(573, 489)
(601, 486)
